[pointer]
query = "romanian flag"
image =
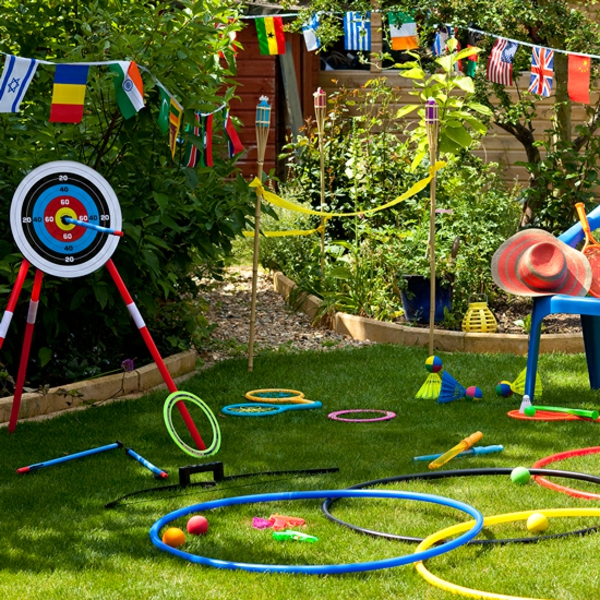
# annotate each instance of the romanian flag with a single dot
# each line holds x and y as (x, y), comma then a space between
(175, 112)
(271, 39)
(68, 93)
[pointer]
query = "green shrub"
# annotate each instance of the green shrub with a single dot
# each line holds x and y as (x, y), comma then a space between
(177, 221)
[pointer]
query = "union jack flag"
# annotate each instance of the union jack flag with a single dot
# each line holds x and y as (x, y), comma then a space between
(542, 71)
(499, 67)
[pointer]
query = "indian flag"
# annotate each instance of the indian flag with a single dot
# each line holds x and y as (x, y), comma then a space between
(271, 39)
(129, 87)
(403, 31)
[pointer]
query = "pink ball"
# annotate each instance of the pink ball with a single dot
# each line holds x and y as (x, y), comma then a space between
(197, 525)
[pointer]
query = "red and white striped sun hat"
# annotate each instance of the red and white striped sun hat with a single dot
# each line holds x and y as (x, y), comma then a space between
(535, 263)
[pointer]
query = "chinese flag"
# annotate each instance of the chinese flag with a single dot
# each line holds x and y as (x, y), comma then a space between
(578, 85)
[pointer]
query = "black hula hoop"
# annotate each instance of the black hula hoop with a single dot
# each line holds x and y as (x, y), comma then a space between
(325, 507)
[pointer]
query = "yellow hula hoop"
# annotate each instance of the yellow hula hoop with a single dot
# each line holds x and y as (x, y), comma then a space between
(495, 520)
(277, 396)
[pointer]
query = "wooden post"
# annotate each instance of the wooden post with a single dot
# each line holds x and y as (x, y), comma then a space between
(320, 110)
(263, 123)
(432, 127)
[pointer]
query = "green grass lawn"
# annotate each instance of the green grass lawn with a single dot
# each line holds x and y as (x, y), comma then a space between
(60, 542)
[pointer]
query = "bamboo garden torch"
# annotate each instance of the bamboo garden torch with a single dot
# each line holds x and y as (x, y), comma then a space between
(263, 123)
(432, 123)
(320, 109)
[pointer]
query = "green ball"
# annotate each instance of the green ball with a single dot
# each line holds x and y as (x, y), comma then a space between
(520, 476)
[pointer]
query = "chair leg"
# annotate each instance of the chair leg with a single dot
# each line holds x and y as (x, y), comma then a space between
(591, 340)
(533, 350)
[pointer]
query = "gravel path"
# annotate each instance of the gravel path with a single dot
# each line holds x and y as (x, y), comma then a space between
(277, 328)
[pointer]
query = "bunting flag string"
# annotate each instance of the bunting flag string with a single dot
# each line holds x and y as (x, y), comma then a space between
(404, 36)
(69, 88)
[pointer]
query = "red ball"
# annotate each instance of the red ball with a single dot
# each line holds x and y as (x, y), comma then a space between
(197, 525)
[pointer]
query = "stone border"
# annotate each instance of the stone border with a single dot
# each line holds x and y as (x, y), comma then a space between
(363, 328)
(102, 389)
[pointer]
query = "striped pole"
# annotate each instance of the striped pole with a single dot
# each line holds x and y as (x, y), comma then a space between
(160, 363)
(62, 459)
(31, 315)
(12, 301)
(158, 473)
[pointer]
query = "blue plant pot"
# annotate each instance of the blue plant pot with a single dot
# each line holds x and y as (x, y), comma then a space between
(416, 299)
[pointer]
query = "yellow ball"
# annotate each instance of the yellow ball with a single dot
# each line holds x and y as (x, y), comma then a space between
(537, 523)
(173, 537)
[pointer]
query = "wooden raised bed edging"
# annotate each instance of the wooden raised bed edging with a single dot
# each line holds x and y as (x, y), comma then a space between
(88, 392)
(364, 328)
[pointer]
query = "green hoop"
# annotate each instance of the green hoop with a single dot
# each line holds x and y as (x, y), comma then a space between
(180, 396)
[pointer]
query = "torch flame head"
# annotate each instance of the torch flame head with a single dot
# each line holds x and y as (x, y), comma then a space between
(263, 113)
(431, 111)
(320, 98)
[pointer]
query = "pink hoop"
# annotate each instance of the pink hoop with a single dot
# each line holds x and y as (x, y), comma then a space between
(387, 415)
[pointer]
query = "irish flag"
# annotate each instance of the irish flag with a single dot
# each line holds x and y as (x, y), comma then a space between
(271, 39)
(129, 87)
(403, 31)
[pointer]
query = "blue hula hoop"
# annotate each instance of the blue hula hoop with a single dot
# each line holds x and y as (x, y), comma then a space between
(319, 569)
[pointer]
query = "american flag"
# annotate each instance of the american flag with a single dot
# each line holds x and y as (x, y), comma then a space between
(542, 71)
(499, 67)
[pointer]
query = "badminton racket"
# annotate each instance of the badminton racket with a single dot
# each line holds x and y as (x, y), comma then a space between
(259, 409)
(591, 250)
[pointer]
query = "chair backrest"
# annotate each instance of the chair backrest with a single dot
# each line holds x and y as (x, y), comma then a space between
(575, 234)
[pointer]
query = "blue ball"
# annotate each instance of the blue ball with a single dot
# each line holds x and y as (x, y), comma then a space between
(473, 393)
(433, 364)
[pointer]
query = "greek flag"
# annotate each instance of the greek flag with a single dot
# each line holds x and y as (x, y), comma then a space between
(16, 77)
(357, 31)
(309, 31)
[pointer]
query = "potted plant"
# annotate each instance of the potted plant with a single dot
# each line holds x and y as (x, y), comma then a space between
(414, 279)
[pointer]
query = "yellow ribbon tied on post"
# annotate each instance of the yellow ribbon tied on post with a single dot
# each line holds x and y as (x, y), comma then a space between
(276, 200)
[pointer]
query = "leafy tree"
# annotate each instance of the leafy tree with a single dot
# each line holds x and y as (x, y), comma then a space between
(562, 161)
(178, 222)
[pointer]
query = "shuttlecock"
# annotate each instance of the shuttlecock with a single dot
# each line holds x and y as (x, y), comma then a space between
(525, 403)
(518, 385)
(451, 389)
(430, 390)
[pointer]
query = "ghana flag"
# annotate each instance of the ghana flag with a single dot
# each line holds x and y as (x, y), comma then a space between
(271, 39)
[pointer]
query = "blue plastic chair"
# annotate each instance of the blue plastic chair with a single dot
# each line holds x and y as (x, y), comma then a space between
(587, 307)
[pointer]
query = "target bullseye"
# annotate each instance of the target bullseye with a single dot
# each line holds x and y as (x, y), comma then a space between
(60, 216)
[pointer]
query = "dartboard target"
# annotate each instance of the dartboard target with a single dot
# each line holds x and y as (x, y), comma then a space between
(65, 189)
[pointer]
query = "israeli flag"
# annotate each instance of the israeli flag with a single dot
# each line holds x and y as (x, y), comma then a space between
(309, 31)
(16, 77)
(357, 31)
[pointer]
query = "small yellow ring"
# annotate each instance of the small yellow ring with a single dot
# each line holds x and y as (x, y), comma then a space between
(295, 397)
(65, 211)
(495, 520)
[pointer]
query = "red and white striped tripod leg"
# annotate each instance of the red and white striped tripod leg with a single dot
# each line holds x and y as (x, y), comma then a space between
(31, 316)
(160, 363)
(12, 301)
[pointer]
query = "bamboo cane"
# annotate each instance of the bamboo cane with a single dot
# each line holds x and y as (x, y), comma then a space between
(263, 123)
(320, 110)
(432, 127)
